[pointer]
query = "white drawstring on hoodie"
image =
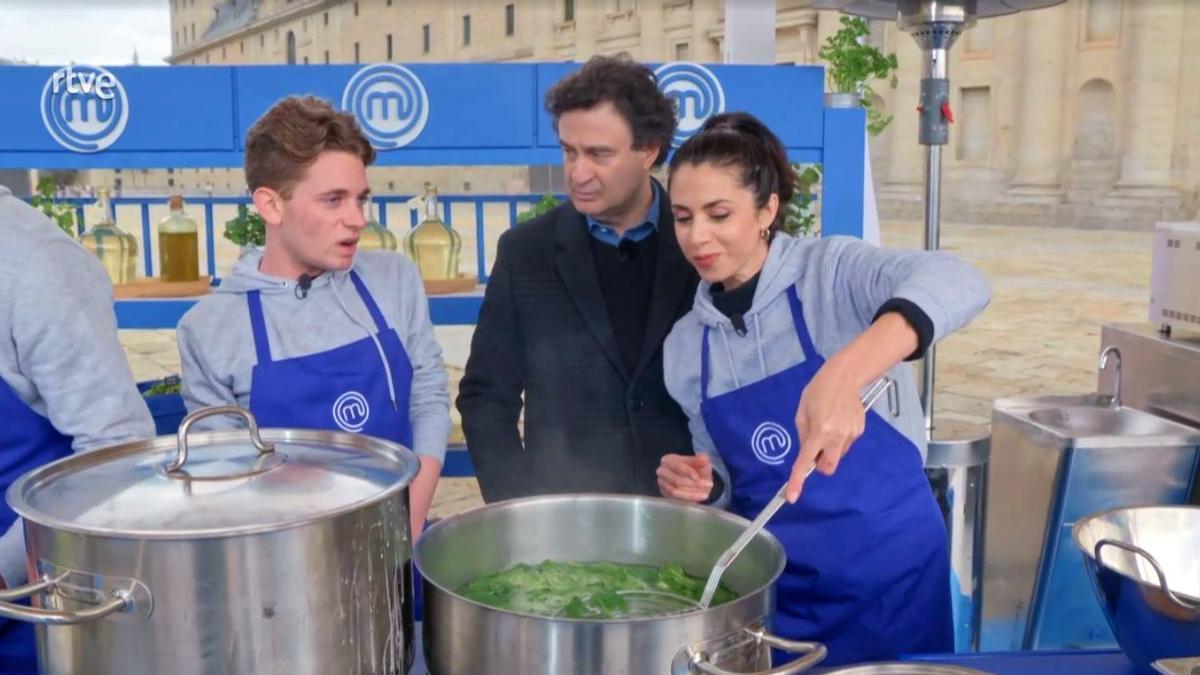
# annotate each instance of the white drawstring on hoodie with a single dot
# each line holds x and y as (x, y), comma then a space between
(762, 359)
(370, 332)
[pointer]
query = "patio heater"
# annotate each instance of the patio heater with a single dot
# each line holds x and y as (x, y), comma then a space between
(958, 453)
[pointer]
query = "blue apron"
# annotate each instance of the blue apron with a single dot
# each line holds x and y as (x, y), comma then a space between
(867, 569)
(340, 389)
(27, 441)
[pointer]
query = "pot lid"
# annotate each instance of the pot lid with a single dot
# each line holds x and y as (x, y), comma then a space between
(213, 484)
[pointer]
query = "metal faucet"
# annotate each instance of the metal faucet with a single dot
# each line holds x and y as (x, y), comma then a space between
(1111, 350)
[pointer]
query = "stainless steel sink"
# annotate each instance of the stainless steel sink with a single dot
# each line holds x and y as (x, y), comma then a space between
(1055, 460)
(1106, 421)
(1092, 420)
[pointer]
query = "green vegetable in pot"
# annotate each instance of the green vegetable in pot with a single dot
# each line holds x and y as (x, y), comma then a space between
(591, 590)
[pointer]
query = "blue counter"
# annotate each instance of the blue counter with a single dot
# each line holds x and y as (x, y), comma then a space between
(1041, 663)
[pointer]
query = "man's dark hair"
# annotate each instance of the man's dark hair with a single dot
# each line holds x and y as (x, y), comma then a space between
(632, 90)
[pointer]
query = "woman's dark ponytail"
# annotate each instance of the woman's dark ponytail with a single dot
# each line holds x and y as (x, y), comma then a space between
(740, 140)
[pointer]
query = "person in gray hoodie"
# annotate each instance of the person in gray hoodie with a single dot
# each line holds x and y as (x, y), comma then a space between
(310, 333)
(65, 385)
(769, 366)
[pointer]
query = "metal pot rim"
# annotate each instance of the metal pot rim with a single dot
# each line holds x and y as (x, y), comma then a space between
(16, 493)
(741, 522)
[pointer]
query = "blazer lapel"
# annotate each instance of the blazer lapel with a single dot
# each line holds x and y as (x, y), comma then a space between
(674, 284)
(577, 269)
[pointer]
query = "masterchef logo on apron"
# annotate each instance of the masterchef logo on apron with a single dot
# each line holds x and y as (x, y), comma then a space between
(771, 443)
(351, 412)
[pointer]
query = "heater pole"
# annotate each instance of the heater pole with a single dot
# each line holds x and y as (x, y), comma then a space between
(935, 118)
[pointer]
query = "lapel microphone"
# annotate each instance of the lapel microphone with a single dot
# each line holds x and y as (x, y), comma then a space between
(302, 285)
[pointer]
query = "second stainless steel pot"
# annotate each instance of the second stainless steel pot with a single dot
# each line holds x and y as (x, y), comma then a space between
(466, 638)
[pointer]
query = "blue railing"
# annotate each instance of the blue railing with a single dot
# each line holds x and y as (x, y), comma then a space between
(514, 204)
(459, 309)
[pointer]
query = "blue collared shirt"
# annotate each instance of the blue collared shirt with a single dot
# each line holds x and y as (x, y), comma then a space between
(608, 235)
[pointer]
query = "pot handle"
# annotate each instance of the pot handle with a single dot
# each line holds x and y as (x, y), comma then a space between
(1162, 577)
(119, 600)
(813, 653)
(185, 426)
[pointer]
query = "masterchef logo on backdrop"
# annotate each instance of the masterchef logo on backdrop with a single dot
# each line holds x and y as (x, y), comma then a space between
(84, 108)
(771, 443)
(390, 103)
(697, 93)
(350, 412)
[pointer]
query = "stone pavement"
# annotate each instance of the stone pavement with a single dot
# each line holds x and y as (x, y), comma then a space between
(1052, 290)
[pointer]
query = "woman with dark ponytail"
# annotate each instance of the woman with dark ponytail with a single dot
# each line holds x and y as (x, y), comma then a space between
(784, 336)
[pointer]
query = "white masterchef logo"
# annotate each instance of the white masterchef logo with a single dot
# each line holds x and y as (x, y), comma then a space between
(771, 443)
(350, 411)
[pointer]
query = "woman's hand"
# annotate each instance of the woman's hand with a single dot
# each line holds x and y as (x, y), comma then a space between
(831, 415)
(687, 478)
(829, 419)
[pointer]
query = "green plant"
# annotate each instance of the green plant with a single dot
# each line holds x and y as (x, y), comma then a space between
(247, 228)
(172, 384)
(853, 64)
(799, 219)
(547, 202)
(63, 214)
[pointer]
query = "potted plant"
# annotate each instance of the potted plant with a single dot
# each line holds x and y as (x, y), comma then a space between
(62, 214)
(852, 66)
(247, 229)
(547, 202)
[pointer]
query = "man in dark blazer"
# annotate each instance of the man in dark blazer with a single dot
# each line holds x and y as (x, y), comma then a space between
(578, 304)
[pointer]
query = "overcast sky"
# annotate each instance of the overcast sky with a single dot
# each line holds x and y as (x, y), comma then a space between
(99, 32)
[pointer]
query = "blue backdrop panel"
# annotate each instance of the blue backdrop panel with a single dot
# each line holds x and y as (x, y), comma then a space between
(416, 114)
(169, 110)
(788, 99)
(471, 106)
(845, 150)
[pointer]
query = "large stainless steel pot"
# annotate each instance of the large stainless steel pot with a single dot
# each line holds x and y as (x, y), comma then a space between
(1145, 567)
(206, 554)
(462, 637)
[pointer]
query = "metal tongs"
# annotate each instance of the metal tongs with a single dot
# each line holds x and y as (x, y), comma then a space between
(877, 388)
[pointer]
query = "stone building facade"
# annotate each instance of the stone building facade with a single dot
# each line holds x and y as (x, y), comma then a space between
(1086, 114)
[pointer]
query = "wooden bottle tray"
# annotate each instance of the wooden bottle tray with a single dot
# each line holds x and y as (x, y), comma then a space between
(462, 284)
(157, 288)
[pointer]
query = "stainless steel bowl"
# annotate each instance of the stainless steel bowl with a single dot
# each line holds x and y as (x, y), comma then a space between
(1145, 567)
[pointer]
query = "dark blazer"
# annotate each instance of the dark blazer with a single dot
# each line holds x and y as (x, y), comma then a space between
(544, 333)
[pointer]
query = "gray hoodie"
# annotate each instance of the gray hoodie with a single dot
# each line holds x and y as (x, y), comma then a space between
(841, 282)
(216, 345)
(58, 345)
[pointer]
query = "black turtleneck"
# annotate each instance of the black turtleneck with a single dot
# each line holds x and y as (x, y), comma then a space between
(735, 303)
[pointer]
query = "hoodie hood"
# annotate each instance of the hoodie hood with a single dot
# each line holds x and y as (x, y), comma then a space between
(247, 277)
(782, 269)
